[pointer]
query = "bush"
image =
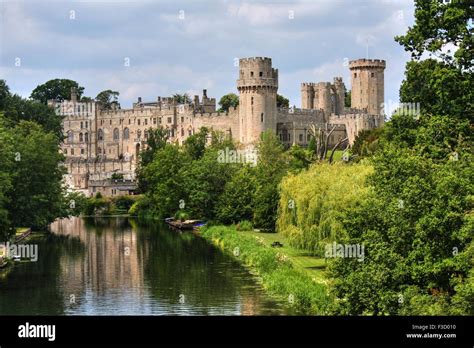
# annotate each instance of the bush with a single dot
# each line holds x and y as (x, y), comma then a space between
(244, 226)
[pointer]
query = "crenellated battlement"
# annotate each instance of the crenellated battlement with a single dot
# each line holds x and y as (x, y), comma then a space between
(367, 63)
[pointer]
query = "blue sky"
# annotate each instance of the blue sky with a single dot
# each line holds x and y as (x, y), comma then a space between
(186, 46)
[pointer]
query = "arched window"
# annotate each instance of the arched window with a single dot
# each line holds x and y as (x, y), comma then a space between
(81, 137)
(146, 134)
(116, 134)
(86, 137)
(70, 137)
(139, 134)
(100, 135)
(126, 133)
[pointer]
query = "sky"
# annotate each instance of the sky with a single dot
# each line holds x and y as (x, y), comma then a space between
(158, 48)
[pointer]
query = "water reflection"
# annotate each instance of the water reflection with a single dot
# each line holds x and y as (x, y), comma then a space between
(117, 266)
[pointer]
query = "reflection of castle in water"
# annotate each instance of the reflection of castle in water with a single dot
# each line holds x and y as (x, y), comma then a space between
(112, 260)
(112, 266)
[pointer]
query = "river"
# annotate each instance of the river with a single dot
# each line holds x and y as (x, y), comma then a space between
(118, 266)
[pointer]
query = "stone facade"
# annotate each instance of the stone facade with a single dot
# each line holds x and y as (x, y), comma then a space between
(102, 147)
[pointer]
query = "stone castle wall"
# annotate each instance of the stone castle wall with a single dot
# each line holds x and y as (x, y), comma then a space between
(99, 143)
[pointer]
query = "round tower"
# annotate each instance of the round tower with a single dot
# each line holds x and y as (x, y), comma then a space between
(257, 86)
(367, 79)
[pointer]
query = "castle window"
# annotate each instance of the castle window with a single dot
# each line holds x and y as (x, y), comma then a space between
(126, 133)
(251, 74)
(169, 119)
(87, 124)
(182, 119)
(261, 74)
(110, 122)
(159, 120)
(301, 138)
(116, 134)
(138, 121)
(72, 152)
(182, 132)
(70, 137)
(146, 122)
(86, 137)
(251, 101)
(261, 117)
(355, 74)
(190, 132)
(373, 75)
(129, 121)
(146, 134)
(82, 125)
(100, 135)
(154, 120)
(81, 137)
(82, 151)
(139, 134)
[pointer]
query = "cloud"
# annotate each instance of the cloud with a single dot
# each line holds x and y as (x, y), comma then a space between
(187, 46)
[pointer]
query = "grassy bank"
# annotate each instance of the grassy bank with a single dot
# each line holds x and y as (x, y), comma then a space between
(280, 275)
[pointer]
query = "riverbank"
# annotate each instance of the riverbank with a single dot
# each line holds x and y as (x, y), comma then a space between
(284, 273)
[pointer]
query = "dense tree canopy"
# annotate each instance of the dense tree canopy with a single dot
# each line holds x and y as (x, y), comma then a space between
(57, 89)
(227, 101)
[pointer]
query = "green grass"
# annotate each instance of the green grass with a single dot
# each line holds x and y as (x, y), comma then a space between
(291, 278)
(313, 266)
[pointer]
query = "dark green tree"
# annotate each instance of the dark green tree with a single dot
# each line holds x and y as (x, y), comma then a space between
(195, 145)
(57, 89)
(282, 102)
(108, 99)
(157, 139)
(227, 101)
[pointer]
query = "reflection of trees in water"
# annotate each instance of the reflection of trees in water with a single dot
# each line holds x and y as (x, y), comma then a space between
(184, 264)
(33, 288)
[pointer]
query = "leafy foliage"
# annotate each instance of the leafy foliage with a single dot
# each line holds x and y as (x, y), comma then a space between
(57, 89)
(227, 101)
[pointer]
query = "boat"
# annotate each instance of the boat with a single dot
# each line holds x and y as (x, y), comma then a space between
(184, 225)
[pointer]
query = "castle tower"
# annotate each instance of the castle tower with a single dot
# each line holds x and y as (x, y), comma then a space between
(322, 97)
(307, 95)
(257, 86)
(367, 79)
(339, 93)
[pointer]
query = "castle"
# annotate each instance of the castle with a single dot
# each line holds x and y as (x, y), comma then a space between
(102, 146)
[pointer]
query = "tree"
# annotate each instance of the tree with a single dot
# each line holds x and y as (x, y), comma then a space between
(417, 225)
(165, 186)
(272, 166)
(35, 200)
(157, 139)
(108, 99)
(347, 99)
(6, 161)
(282, 102)
(195, 145)
(227, 101)
(4, 94)
(57, 89)
(182, 98)
(236, 202)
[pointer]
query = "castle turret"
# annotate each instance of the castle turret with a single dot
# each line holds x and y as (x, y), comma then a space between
(367, 77)
(322, 97)
(257, 86)
(339, 93)
(307, 95)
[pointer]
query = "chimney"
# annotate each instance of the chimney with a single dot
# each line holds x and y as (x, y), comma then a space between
(204, 94)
